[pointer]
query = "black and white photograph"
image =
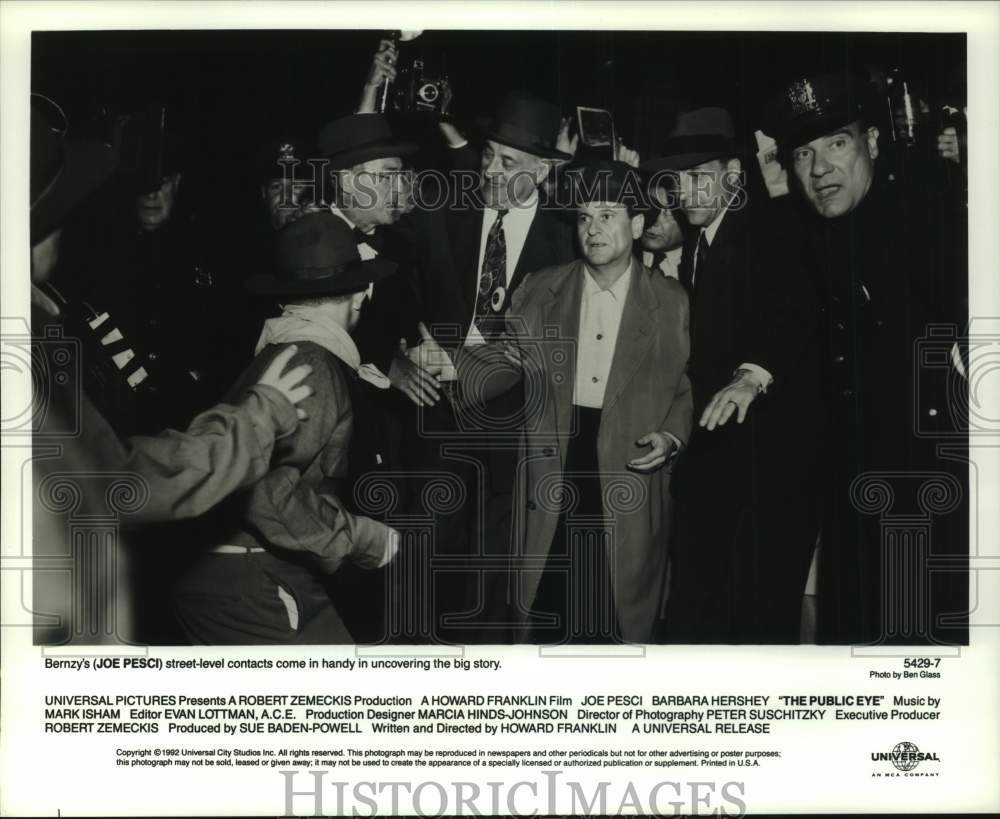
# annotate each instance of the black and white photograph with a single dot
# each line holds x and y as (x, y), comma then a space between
(517, 341)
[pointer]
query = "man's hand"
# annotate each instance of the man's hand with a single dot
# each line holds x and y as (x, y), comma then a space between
(662, 448)
(289, 384)
(627, 155)
(563, 141)
(391, 547)
(736, 397)
(428, 354)
(383, 68)
(413, 380)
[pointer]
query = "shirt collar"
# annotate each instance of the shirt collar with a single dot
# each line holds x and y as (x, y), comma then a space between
(524, 208)
(713, 228)
(338, 212)
(619, 289)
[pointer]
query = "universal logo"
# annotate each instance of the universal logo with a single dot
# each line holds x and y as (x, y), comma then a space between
(905, 757)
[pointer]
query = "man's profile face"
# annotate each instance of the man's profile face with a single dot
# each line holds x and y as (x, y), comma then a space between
(380, 189)
(706, 189)
(836, 170)
(664, 234)
(606, 232)
(153, 209)
(510, 176)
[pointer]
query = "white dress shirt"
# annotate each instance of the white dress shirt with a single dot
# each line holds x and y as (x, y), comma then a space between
(367, 371)
(670, 265)
(600, 318)
(366, 251)
(516, 224)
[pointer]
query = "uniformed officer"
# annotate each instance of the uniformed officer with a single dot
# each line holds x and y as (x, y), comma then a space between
(882, 255)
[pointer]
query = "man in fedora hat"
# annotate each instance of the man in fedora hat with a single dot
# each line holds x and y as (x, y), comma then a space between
(370, 192)
(263, 582)
(601, 347)
(884, 249)
(495, 233)
(175, 475)
(743, 541)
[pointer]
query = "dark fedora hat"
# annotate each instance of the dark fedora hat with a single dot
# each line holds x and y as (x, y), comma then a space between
(527, 123)
(318, 256)
(811, 106)
(64, 171)
(357, 138)
(698, 136)
(604, 180)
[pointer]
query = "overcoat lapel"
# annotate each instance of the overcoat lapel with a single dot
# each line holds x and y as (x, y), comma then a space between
(635, 334)
(559, 357)
(465, 228)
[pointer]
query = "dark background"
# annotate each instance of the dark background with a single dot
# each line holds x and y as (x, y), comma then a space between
(235, 91)
(234, 85)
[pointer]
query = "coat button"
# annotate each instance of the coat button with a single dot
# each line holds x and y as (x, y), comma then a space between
(840, 325)
(838, 359)
(847, 393)
(932, 412)
(531, 506)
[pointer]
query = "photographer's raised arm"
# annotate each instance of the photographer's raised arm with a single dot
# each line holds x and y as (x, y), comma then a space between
(383, 69)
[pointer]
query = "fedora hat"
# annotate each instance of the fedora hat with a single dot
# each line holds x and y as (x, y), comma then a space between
(64, 171)
(318, 256)
(527, 123)
(811, 106)
(604, 180)
(698, 136)
(357, 138)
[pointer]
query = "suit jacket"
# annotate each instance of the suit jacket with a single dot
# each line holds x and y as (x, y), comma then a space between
(447, 242)
(647, 391)
(751, 302)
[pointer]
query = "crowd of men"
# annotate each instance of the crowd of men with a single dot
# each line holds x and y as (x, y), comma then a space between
(535, 397)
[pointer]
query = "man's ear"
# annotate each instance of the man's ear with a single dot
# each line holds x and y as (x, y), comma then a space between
(542, 171)
(872, 139)
(358, 299)
(638, 225)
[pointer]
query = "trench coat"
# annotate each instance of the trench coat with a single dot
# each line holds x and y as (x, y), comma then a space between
(647, 391)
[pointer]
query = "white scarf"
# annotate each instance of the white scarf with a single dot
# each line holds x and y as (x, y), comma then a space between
(313, 323)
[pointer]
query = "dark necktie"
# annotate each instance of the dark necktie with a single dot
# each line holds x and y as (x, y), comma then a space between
(490, 296)
(701, 258)
(658, 257)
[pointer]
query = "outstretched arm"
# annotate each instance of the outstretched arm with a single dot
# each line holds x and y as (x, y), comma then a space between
(223, 449)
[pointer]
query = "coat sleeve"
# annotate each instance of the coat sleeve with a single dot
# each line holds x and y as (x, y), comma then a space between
(680, 415)
(224, 449)
(679, 418)
(293, 513)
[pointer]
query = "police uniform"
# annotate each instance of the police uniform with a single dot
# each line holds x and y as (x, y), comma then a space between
(890, 288)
